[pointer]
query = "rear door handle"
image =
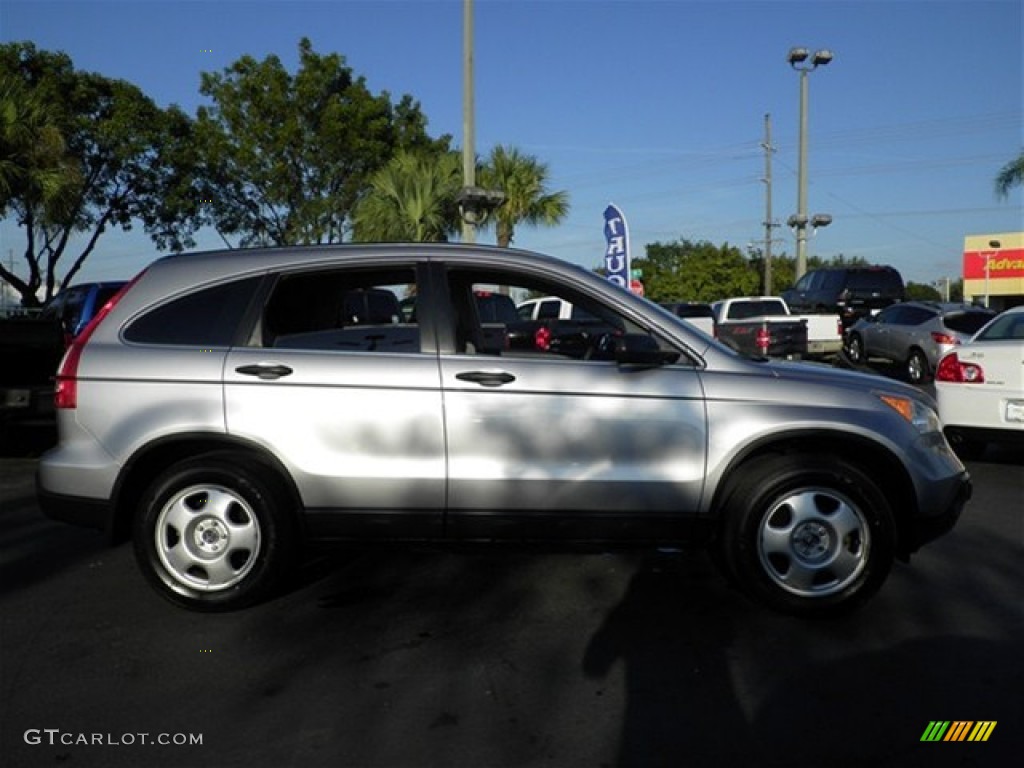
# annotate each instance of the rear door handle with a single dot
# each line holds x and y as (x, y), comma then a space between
(486, 378)
(265, 371)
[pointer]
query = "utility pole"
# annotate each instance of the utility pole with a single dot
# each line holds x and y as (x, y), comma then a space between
(769, 224)
(468, 128)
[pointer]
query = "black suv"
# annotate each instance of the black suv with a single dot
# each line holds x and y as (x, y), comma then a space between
(850, 292)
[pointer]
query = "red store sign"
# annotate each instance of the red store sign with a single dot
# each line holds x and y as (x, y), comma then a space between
(1001, 263)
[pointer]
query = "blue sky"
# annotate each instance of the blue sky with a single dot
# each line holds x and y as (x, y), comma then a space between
(656, 105)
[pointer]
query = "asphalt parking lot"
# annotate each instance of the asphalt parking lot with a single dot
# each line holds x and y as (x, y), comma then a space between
(428, 658)
(497, 658)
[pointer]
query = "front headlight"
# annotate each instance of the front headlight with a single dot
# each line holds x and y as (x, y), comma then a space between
(923, 418)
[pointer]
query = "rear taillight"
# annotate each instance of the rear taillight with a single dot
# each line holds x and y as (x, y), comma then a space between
(952, 369)
(944, 338)
(65, 395)
(542, 339)
(763, 339)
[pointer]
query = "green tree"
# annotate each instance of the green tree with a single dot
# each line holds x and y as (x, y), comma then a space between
(523, 179)
(286, 158)
(696, 271)
(922, 292)
(1011, 175)
(411, 199)
(119, 166)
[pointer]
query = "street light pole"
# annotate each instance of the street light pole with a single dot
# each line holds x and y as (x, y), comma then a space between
(797, 57)
(995, 245)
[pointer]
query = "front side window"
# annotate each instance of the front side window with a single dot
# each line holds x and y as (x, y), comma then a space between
(903, 315)
(581, 328)
(353, 310)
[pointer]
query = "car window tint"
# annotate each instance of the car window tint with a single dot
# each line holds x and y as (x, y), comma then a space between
(206, 318)
(743, 310)
(73, 306)
(890, 315)
(496, 307)
(577, 337)
(832, 280)
(548, 309)
(356, 310)
(916, 315)
(1004, 328)
(967, 322)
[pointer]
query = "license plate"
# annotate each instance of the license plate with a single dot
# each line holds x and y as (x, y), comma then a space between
(1015, 411)
(15, 398)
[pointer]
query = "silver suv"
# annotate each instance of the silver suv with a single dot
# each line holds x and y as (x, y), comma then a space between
(226, 409)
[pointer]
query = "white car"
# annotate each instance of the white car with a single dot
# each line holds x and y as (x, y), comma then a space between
(980, 386)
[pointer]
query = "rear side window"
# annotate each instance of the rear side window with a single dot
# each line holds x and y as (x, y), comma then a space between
(344, 310)
(206, 318)
(967, 322)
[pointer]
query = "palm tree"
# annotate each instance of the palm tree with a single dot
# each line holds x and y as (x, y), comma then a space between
(523, 180)
(411, 199)
(35, 169)
(1011, 175)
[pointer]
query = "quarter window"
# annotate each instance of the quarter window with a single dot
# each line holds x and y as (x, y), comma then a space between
(206, 318)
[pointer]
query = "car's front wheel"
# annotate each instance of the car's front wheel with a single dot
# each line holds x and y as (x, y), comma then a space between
(807, 535)
(211, 534)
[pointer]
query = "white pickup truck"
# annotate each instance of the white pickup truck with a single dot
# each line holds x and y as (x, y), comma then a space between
(824, 332)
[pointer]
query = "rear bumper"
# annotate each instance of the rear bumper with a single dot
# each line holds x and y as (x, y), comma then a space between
(76, 510)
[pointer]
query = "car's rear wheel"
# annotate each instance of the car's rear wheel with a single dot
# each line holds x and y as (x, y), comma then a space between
(211, 534)
(855, 348)
(807, 535)
(917, 368)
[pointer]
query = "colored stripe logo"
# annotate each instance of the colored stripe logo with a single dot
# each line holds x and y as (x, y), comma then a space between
(958, 730)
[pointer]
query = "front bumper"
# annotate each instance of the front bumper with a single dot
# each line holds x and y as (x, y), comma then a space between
(931, 526)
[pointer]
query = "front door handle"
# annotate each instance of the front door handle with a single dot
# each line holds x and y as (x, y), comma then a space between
(486, 378)
(265, 371)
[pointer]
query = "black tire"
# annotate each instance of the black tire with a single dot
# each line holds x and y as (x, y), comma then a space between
(855, 349)
(807, 535)
(917, 369)
(212, 534)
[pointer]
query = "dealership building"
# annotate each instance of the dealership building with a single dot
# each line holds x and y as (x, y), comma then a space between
(994, 269)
